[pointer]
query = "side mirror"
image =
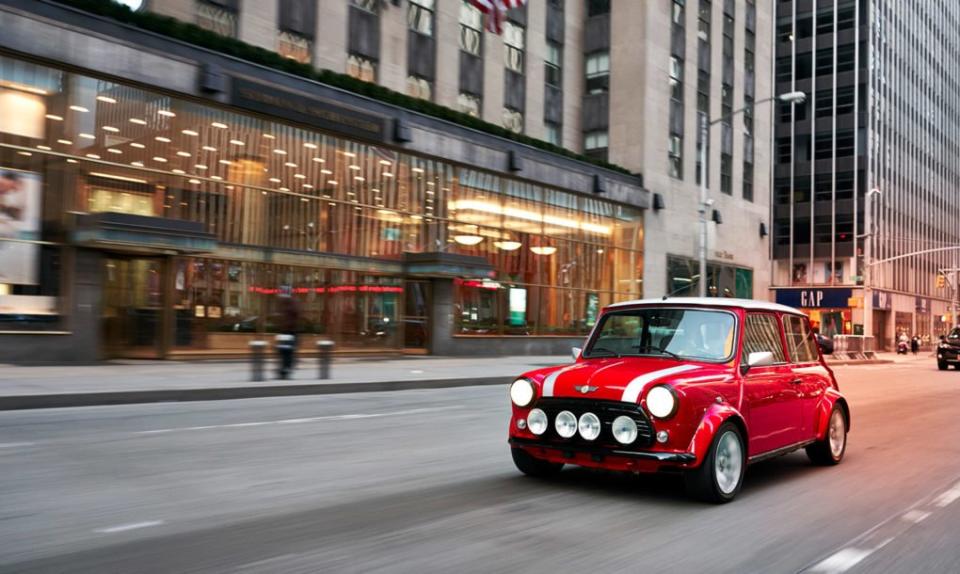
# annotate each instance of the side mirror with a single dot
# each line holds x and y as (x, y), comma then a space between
(759, 359)
(576, 352)
(826, 345)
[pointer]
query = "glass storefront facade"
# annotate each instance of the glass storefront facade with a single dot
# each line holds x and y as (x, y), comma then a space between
(683, 276)
(293, 210)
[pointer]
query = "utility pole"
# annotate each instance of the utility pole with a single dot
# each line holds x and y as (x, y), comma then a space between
(868, 265)
(704, 204)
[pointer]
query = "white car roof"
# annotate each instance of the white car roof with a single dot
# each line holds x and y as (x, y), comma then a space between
(749, 304)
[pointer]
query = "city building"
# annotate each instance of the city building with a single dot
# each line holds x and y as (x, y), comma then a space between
(396, 230)
(877, 137)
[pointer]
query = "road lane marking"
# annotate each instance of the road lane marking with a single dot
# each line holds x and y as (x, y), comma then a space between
(845, 559)
(15, 444)
(948, 497)
(131, 526)
(299, 420)
(915, 516)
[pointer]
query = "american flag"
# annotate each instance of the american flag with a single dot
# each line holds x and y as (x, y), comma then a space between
(495, 11)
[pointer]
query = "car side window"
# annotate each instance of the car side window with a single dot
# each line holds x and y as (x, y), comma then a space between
(800, 339)
(762, 334)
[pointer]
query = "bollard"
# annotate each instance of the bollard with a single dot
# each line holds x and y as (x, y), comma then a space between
(256, 360)
(324, 352)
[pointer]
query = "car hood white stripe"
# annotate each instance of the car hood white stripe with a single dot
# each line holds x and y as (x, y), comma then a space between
(633, 390)
(552, 379)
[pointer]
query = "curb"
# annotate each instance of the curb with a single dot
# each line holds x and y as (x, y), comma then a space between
(60, 400)
(860, 362)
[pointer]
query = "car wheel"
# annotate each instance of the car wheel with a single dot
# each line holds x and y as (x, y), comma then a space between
(942, 366)
(532, 466)
(719, 477)
(830, 450)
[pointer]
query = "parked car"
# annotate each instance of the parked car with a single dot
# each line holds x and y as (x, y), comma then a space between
(948, 351)
(701, 386)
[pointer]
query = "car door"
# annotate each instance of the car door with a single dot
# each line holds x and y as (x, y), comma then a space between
(771, 399)
(810, 377)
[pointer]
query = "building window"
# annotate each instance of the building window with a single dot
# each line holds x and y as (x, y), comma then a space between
(420, 16)
(747, 180)
(596, 141)
(471, 28)
(552, 133)
(513, 120)
(361, 68)
(676, 156)
(598, 72)
(216, 19)
(368, 5)
(676, 78)
(726, 174)
(469, 104)
(513, 41)
(418, 87)
(598, 7)
(553, 65)
(294, 46)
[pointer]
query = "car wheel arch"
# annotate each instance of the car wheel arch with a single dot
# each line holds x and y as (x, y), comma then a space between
(713, 418)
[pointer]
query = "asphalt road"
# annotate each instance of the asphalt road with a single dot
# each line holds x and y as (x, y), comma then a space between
(421, 481)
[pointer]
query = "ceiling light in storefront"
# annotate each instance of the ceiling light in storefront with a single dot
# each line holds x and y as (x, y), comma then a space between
(429, 192)
(93, 156)
(28, 154)
(359, 178)
(106, 99)
(65, 142)
(385, 162)
(517, 213)
(166, 113)
(467, 239)
(417, 170)
(194, 181)
(88, 136)
(80, 109)
(225, 161)
(136, 163)
(507, 245)
(600, 251)
(160, 159)
(137, 145)
(54, 117)
(118, 177)
(115, 150)
(184, 154)
(319, 160)
(178, 171)
(307, 186)
(387, 174)
(280, 151)
(111, 129)
(44, 147)
(331, 182)
(309, 145)
(290, 164)
(162, 139)
(200, 166)
(548, 250)
(237, 142)
(349, 154)
(283, 189)
(299, 176)
(270, 136)
(326, 172)
(275, 180)
(219, 125)
(71, 160)
(208, 148)
(138, 121)
(355, 167)
(190, 133)
(216, 177)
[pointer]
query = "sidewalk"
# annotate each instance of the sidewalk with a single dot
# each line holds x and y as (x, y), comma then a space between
(126, 382)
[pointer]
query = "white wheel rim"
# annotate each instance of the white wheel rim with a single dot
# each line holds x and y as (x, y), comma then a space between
(729, 462)
(838, 434)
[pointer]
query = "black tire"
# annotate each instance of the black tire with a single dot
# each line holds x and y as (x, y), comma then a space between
(532, 466)
(702, 482)
(942, 366)
(820, 452)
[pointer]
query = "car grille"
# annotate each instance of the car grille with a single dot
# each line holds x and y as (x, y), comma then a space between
(606, 411)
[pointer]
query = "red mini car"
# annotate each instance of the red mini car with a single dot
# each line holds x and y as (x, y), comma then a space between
(701, 386)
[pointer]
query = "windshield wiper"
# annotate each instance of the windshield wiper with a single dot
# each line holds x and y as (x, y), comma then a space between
(662, 351)
(596, 350)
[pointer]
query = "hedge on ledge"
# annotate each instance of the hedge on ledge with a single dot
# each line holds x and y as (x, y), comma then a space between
(197, 36)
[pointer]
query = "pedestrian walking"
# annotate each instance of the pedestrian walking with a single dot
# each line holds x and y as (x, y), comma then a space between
(289, 327)
(915, 345)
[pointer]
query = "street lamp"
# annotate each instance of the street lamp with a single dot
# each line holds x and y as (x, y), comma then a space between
(867, 265)
(705, 201)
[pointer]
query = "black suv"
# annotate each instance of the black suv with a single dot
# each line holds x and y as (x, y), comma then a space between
(948, 351)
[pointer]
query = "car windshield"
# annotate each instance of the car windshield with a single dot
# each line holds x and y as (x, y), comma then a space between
(676, 333)
(955, 334)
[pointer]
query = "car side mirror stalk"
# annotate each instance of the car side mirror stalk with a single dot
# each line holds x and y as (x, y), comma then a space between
(758, 359)
(576, 352)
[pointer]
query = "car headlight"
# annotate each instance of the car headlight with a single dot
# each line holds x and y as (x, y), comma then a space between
(661, 402)
(566, 424)
(537, 422)
(589, 426)
(522, 392)
(624, 429)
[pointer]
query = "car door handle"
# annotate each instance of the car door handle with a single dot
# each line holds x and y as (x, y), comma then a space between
(796, 381)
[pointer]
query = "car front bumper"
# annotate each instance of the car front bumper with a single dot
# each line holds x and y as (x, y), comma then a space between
(948, 356)
(603, 457)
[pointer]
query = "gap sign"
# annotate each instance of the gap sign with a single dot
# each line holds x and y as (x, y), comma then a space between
(815, 297)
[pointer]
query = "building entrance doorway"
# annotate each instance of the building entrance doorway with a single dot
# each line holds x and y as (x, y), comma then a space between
(416, 317)
(133, 309)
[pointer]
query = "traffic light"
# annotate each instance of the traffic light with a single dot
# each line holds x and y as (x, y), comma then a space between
(941, 281)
